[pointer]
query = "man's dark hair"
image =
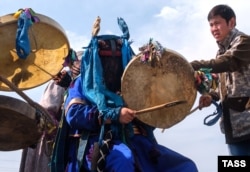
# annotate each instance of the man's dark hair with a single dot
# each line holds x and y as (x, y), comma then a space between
(224, 11)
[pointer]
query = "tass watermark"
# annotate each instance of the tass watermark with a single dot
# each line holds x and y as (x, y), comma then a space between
(233, 163)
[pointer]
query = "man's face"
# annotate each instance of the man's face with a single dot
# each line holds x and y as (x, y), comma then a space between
(220, 28)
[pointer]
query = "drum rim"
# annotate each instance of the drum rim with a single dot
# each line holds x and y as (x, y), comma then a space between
(137, 58)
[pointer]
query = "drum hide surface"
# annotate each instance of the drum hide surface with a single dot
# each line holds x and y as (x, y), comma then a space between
(18, 124)
(171, 78)
(49, 47)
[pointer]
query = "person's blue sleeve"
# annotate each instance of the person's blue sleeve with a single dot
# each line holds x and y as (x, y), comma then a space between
(80, 116)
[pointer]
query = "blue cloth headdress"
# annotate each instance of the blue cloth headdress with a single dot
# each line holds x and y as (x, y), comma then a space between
(92, 74)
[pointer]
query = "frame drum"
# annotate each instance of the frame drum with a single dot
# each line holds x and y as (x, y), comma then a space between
(168, 79)
(49, 47)
(18, 124)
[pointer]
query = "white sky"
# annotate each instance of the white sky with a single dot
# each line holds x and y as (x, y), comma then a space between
(180, 25)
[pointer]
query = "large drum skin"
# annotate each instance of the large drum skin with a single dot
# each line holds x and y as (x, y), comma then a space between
(171, 78)
(19, 124)
(49, 47)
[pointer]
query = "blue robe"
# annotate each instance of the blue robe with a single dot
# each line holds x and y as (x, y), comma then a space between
(85, 117)
(152, 157)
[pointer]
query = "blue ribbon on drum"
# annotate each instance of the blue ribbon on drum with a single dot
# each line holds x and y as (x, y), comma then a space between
(26, 17)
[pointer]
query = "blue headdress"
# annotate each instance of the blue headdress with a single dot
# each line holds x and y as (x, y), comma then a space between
(92, 74)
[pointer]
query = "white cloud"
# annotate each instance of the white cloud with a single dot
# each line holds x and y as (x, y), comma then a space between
(77, 42)
(168, 13)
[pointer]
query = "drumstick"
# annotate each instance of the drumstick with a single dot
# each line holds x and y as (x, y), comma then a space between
(29, 100)
(165, 105)
(193, 110)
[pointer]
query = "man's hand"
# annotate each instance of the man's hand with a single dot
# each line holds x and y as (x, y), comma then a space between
(62, 79)
(126, 115)
(205, 101)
